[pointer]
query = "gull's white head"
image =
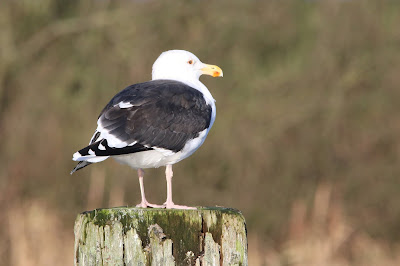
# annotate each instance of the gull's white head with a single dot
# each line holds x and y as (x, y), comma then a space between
(182, 66)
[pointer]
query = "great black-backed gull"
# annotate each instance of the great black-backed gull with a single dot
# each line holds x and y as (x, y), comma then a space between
(156, 123)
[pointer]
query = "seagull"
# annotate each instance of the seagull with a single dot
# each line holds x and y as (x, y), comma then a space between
(156, 123)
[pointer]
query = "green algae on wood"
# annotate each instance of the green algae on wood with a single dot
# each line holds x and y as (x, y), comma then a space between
(137, 236)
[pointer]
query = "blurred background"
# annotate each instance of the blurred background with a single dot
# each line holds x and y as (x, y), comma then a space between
(305, 143)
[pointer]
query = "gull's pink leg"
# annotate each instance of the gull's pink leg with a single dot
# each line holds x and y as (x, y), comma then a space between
(169, 204)
(144, 203)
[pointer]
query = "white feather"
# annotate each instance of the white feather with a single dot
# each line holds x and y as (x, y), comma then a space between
(76, 156)
(89, 158)
(123, 105)
(95, 159)
(112, 141)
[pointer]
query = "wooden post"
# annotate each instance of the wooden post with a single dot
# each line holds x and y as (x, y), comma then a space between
(136, 236)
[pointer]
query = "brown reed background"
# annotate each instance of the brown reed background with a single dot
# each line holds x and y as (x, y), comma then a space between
(306, 141)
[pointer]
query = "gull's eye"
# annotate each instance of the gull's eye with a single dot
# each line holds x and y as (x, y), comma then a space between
(190, 62)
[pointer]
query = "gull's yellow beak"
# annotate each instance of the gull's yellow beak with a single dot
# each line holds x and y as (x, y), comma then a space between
(212, 70)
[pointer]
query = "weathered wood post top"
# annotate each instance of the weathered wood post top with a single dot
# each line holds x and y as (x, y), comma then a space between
(137, 236)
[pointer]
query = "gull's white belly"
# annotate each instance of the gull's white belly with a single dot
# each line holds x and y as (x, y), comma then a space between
(147, 159)
(161, 157)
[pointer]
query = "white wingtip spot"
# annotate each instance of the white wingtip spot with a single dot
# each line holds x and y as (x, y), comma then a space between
(90, 158)
(76, 156)
(101, 147)
(91, 152)
(123, 105)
